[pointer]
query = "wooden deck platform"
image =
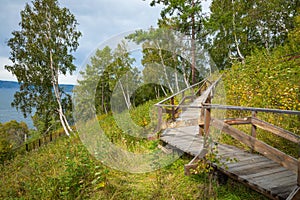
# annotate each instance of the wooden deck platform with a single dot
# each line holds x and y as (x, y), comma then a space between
(253, 170)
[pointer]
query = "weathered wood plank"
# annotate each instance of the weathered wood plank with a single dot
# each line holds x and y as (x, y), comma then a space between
(282, 191)
(277, 179)
(275, 130)
(259, 146)
(247, 172)
(264, 173)
(298, 178)
(238, 121)
(250, 169)
(248, 162)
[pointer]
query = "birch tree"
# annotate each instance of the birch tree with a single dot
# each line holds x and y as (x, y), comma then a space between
(186, 17)
(42, 51)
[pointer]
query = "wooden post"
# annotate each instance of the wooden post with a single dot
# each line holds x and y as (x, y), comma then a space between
(50, 137)
(298, 175)
(199, 91)
(207, 118)
(39, 142)
(159, 118)
(27, 147)
(173, 109)
(201, 122)
(207, 121)
(253, 129)
(298, 178)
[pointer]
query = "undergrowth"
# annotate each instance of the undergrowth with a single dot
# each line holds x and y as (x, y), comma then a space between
(64, 169)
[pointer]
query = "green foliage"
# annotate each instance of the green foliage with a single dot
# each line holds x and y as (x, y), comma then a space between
(82, 176)
(64, 169)
(12, 136)
(142, 116)
(110, 75)
(40, 52)
(269, 80)
(239, 27)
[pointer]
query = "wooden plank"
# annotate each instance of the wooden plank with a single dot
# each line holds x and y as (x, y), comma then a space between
(275, 130)
(238, 121)
(259, 146)
(247, 162)
(250, 169)
(280, 178)
(283, 191)
(241, 108)
(298, 177)
(264, 173)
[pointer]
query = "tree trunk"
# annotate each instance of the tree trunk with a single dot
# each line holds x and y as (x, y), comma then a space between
(164, 68)
(54, 76)
(163, 89)
(193, 47)
(127, 101)
(234, 34)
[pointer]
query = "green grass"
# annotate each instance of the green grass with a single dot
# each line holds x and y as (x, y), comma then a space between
(64, 169)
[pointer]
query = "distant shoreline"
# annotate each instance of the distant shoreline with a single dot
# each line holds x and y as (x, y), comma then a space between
(16, 85)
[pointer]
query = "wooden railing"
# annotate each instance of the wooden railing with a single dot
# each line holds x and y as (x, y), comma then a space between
(184, 97)
(37, 143)
(225, 125)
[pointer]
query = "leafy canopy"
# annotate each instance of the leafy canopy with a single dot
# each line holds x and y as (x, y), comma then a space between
(40, 52)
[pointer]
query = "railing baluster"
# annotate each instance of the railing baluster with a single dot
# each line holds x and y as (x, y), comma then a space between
(173, 109)
(159, 118)
(207, 119)
(298, 175)
(201, 122)
(253, 129)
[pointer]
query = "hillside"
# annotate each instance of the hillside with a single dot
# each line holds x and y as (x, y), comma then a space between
(64, 169)
(14, 84)
(8, 84)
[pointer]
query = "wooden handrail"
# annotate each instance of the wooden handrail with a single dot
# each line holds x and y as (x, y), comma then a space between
(259, 146)
(275, 130)
(255, 144)
(241, 108)
(172, 96)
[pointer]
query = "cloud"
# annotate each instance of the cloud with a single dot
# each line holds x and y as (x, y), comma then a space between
(69, 79)
(98, 20)
(4, 74)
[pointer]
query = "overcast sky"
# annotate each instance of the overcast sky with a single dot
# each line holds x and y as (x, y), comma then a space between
(98, 20)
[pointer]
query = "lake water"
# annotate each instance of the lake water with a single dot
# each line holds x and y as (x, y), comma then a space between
(7, 112)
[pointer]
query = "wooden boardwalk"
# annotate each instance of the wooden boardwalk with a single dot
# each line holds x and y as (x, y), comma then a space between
(253, 170)
(272, 173)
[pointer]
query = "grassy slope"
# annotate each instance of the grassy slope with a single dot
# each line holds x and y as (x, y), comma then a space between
(65, 170)
(59, 171)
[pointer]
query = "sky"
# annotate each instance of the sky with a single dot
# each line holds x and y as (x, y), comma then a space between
(99, 20)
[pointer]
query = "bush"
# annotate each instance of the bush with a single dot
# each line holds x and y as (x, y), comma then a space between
(12, 136)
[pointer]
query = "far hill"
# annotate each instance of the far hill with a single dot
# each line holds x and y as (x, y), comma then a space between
(14, 84)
